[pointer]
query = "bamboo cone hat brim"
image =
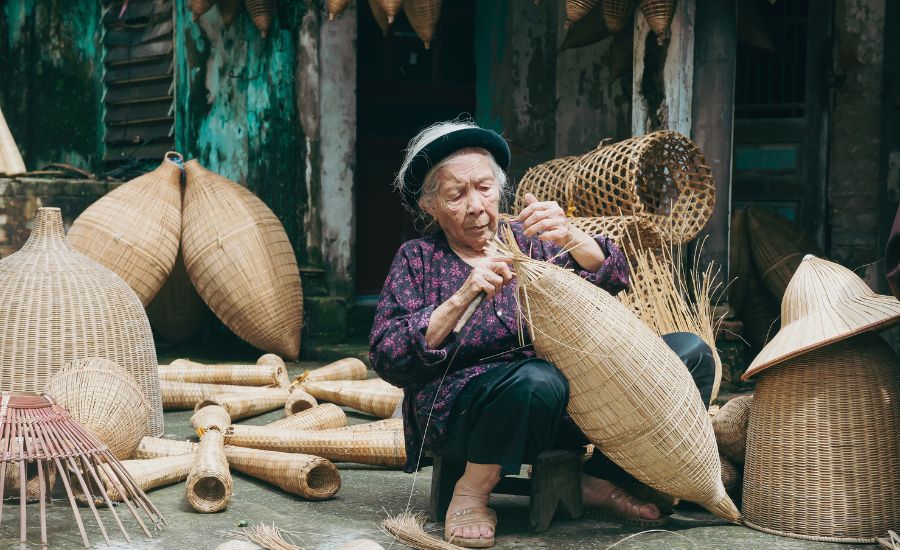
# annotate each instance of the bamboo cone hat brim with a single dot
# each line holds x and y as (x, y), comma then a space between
(824, 303)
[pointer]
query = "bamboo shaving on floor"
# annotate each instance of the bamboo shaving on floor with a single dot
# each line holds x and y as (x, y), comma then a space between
(409, 528)
(269, 537)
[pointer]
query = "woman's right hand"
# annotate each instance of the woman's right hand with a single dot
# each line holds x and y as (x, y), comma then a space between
(488, 275)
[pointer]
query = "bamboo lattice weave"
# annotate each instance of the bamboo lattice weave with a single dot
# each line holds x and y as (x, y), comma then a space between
(229, 10)
(548, 181)
(247, 403)
(423, 16)
(157, 447)
(209, 483)
(631, 233)
(177, 313)
(311, 477)
(616, 13)
(778, 246)
(151, 473)
(659, 15)
(186, 395)
(730, 427)
(261, 13)
(375, 396)
(349, 368)
(321, 417)
(210, 417)
(390, 8)
(576, 10)
(183, 370)
(57, 305)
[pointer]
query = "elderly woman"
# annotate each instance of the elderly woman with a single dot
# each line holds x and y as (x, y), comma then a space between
(472, 393)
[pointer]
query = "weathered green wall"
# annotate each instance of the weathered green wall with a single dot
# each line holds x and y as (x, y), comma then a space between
(50, 85)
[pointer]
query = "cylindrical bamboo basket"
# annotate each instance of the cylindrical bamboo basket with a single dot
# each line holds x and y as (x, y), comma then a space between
(157, 447)
(177, 313)
(576, 10)
(151, 473)
(59, 305)
(210, 417)
(629, 393)
(659, 15)
(730, 474)
(134, 230)
(10, 158)
(247, 403)
(740, 266)
(199, 7)
(229, 10)
(310, 477)
(335, 7)
(423, 15)
(778, 246)
(186, 395)
(823, 444)
(390, 8)
(617, 13)
(261, 13)
(298, 401)
(321, 417)
(360, 544)
(104, 398)
(349, 368)
(730, 427)
(241, 262)
(548, 181)
(375, 397)
(183, 370)
(209, 482)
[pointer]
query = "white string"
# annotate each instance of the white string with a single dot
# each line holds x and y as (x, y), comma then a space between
(652, 531)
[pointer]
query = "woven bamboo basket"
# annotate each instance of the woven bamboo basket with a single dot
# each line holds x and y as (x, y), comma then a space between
(229, 10)
(629, 232)
(310, 477)
(740, 266)
(209, 483)
(104, 398)
(47, 288)
(298, 401)
(659, 15)
(349, 368)
(375, 447)
(321, 417)
(335, 7)
(157, 447)
(199, 7)
(360, 544)
(423, 15)
(778, 246)
(375, 397)
(10, 158)
(823, 444)
(576, 10)
(261, 13)
(548, 181)
(390, 8)
(241, 262)
(185, 395)
(377, 13)
(730, 427)
(177, 313)
(378, 425)
(629, 393)
(134, 230)
(210, 417)
(183, 370)
(730, 474)
(249, 402)
(151, 473)
(617, 13)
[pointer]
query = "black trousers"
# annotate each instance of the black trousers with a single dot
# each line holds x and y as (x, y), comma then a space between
(511, 414)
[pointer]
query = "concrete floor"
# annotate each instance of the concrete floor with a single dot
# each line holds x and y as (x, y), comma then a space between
(367, 495)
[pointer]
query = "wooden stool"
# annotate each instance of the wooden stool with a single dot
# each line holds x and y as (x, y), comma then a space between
(555, 482)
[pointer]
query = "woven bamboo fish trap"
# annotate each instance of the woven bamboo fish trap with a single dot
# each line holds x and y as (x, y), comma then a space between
(377, 13)
(391, 8)
(375, 397)
(10, 158)
(548, 181)
(630, 394)
(48, 289)
(360, 544)
(229, 10)
(185, 395)
(423, 15)
(261, 13)
(335, 7)
(349, 368)
(177, 313)
(576, 10)
(157, 447)
(104, 398)
(249, 402)
(241, 262)
(374, 447)
(730, 474)
(199, 7)
(150, 473)
(134, 230)
(210, 417)
(659, 15)
(778, 246)
(730, 427)
(740, 266)
(386, 424)
(183, 370)
(209, 484)
(321, 417)
(298, 401)
(39, 432)
(617, 13)
(307, 476)
(823, 444)
(632, 233)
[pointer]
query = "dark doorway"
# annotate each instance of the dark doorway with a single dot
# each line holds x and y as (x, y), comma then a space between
(401, 88)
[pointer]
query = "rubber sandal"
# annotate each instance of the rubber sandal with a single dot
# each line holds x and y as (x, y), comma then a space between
(468, 517)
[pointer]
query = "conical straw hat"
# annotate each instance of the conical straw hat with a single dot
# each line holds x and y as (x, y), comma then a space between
(824, 303)
(10, 158)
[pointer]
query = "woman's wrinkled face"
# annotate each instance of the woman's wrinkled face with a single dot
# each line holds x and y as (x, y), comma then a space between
(467, 201)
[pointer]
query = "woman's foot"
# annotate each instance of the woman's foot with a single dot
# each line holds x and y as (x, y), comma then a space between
(472, 492)
(603, 495)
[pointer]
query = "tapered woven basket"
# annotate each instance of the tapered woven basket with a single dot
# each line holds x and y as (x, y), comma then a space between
(629, 232)
(617, 13)
(375, 397)
(730, 427)
(823, 444)
(298, 401)
(335, 7)
(229, 10)
(185, 395)
(576, 10)
(104, 398)
(249, 402)
(177, 313)
(209, 484)
(311, 477)
(157, 447)
(349, 368)
(778, 246)
(261, 13)
(241, 262)
(423, 15)
(10, 158)
(659, 15)
(390, 8)
(740, 266)
(210, 417)
(629, 393)
(134, 230)
(321, 417)
(183, 370)
(151, 473)
(377, 13)
(57, 305)
(199, 7)
(386, 424)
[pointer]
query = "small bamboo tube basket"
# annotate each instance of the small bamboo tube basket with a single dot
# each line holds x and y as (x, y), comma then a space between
(261, 13)
(360, 544)
(321, 417)
(177, 313)
(423, 16)
(60, 306)
(778, 246)
(617, 13)
(185, 395)
(375, 397)
(659, 15)
(210, 417)
(10, 158)
(730, 427)
(823, 444)
(209, 483)
(576, 10)
(349, 368)
(157, 447)
(104, 398)
(229, 10)
(151, 473)
(250, 402)
(183, 370)
(310, 477)
(390, 8)
(335, 7)
(135, 229)
(298, 401)
(199, 7)
(241, 262)
(630, 394)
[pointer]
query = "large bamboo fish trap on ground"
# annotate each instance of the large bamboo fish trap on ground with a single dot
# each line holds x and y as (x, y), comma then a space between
(105, 399)
(247, 403)
(50, 438)
(266, 374)
(186, 395)
(730, 427)
(823, 445)
(10, 158)
(241, 262)
(349, 368)
(375, 396)
(57, 305)
(177, 313)
(629, 393)
(135, 229)
(778, 246)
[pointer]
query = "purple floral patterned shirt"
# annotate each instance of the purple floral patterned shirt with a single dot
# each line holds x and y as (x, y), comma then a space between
(425, 273)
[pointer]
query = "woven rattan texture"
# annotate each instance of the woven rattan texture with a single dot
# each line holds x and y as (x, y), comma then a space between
(548, 181)
(229, 10)
(730, 473)
(823, 444)
(375, 397)
(576, 10)
(321, 417)
(740, 263)
(249, 402)
(157, 447)
(58, 306)
(209, 484)
(183, 370)
(177, 313)
(423, 15)
(261, 12)
(617, 13)
(104, 398)
(186, 395)
(659, 14)
(211, 417)
(778, 246)
(151, 473)
(135, 229)
(730, 427)
(630, 394)
(310, 477)
(349, 368)
(390, 8)
(298, 401)
(335, 7)
(241, 262)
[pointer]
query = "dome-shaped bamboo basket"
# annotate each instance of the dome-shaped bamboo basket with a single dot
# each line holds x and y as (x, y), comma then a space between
(659, 15)
(375, 397)
(349, 368)
(261, 13)
(335, 7)
(57, 305)
(134, 230)
(10, 158)
(377, 13)
(576, 10)
(177, 313)
(229, 10)
(249, 402)
(423, 15)
(241, 262)
(184, 370)
(390, 8)
(104, 398)
(730, 427)
(740, 266)
(778, 246)
(617, 13)
(209, 483)
(823, 444)
(307, 476)
(199, 7)
(151, 473)
(629, 393)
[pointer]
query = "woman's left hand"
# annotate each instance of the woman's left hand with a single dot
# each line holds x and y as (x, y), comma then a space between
(546, 219)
